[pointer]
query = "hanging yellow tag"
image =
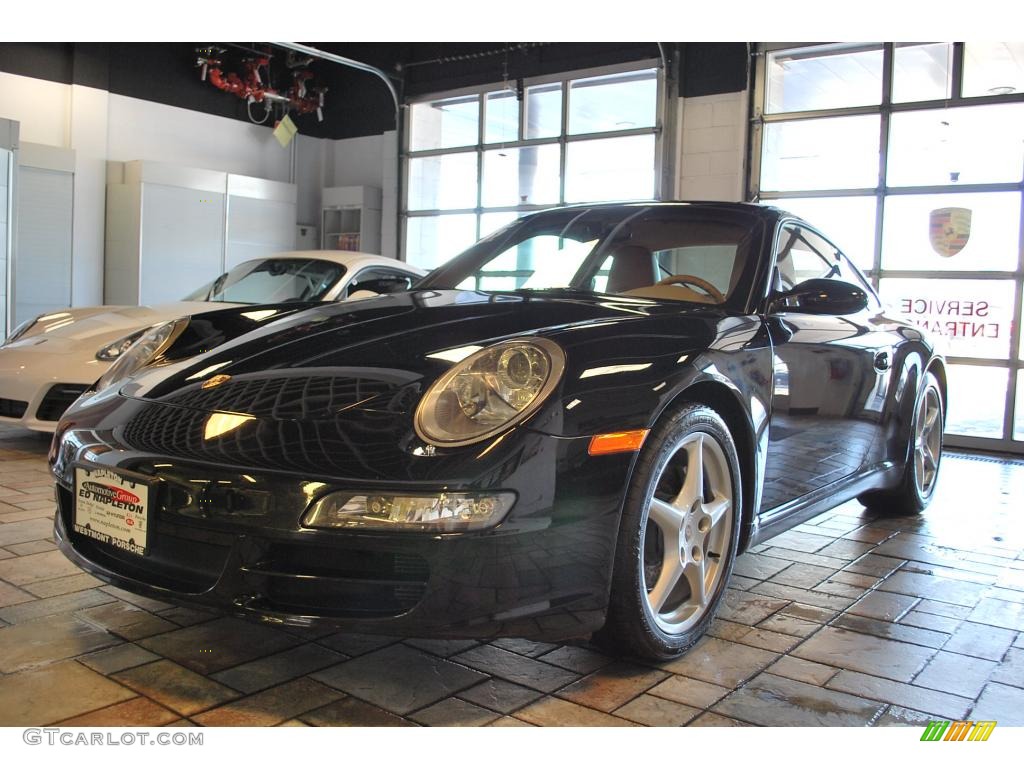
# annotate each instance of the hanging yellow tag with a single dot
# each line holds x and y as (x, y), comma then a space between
(285, 131)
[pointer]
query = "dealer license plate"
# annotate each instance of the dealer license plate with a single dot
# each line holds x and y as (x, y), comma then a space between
(112, 508)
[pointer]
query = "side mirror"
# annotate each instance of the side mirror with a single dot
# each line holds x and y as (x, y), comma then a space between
(822, 297)
(382, 285)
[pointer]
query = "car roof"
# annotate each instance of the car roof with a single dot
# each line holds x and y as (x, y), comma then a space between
(352, 260)
(757, 209)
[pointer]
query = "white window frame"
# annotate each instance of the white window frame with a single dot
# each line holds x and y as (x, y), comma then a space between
(563, 139)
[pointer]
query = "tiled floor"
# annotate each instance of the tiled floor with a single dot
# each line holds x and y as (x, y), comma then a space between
(846, 620)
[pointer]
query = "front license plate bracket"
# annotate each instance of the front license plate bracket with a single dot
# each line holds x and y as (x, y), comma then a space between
(113, 507)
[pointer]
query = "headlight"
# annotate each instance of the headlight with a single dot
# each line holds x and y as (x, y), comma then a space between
(441, 512)
(489, 391)
(148, 348)
(20, 330)
(117, 348)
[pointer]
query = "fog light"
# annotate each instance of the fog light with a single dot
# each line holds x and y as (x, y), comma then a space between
(441, 512)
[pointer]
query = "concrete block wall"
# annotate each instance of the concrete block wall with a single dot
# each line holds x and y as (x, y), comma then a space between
(712, 147)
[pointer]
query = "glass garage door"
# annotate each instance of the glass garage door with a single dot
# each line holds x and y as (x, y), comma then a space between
(912, 156)
(478, 159)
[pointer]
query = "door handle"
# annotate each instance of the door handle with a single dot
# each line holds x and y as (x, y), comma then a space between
(881, 361)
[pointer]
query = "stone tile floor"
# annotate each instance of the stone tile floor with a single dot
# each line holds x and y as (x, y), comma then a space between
(846, 620)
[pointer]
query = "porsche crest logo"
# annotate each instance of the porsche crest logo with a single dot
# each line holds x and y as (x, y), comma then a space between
(949, 230)
(216, 381)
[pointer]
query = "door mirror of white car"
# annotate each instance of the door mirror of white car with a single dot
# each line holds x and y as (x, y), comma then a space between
(361, 294)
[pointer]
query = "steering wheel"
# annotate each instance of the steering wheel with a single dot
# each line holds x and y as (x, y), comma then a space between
(699, 282)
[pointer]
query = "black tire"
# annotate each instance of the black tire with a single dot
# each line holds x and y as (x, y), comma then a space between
(913, 495)
(632, 627)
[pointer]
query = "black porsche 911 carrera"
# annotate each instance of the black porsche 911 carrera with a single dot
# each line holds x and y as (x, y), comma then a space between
(573, 427)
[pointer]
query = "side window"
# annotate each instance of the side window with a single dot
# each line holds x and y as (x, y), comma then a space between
(802, 256)
(380, 280)
(403, 279)
(852, 274)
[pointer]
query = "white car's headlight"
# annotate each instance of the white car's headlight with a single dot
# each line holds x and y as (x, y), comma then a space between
(115, 349)
(148, 348)
(489, 391)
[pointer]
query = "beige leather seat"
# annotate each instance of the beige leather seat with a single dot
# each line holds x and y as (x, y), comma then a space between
(632, 267)
(633, 273)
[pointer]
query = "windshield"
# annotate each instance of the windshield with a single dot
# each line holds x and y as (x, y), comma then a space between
(270, 281)
(696, 254)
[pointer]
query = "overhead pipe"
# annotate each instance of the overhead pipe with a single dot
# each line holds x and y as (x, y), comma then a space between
(347, 62)
(369, 68)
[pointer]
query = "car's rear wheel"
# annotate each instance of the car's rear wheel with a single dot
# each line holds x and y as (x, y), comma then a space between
(917, 486)
(677, 539)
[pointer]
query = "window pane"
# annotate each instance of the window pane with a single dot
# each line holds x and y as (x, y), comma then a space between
(993, 69)
(965, 318)
(1018, 418)
(432, 240)
(492, 222)
(528, 175)
(610, 169)
(445, 123)
(967, 413)
(831, 153)
(442, 181)
(921, 72)
(824, 77)
(501, 117)
(924, 231)
(613, 102)
(967, 145)
(544, 111)
(849, 221)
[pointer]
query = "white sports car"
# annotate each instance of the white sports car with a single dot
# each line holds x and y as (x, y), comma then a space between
(47, 362)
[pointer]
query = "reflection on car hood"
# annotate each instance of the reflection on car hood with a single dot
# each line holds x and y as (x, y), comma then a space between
(336, 387)
(339, 356)
(96, 326)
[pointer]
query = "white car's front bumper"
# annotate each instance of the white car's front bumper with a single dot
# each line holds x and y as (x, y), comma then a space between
(37, 385)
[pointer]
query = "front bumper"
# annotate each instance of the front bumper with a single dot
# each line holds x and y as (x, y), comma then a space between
(543, 573)
(35, 389)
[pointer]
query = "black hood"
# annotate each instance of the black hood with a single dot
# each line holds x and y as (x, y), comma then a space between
(395, 341)
(336, 387)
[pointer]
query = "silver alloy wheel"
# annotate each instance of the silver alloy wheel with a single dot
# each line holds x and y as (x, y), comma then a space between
(927, 440)
(687, 533)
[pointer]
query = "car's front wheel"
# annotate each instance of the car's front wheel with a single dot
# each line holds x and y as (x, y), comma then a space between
(678, 537)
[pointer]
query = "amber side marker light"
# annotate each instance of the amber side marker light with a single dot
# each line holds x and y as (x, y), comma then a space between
(617, 442)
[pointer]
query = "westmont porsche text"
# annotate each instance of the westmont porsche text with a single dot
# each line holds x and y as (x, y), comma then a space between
(571, 428)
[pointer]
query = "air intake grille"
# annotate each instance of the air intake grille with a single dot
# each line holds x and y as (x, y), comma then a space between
(12, 409)
(285, 397)
(57, 400)
(362, 443)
